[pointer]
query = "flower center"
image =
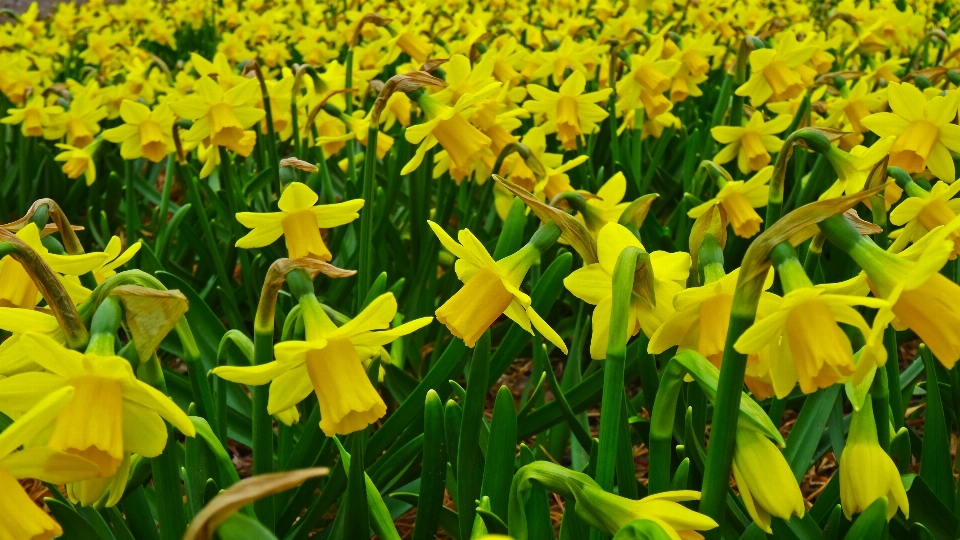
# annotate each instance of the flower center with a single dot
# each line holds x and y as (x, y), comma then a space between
(913, 146)
(303, 238)
(785, 82)
(96, 437)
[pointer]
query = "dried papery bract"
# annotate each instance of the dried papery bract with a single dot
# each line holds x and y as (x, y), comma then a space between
(408, 82)
(244, 492)
(150, 314)
(277, 276)
(299, 164)
(60, 224)
(572, 231)
(373, 18)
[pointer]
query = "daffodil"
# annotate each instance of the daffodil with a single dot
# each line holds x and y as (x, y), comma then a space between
(449, 127)
(14, 354)
(701, 321)
(649, 77)
(117, 258)
(866, 471)
(555, 180)
(80, 123)
(329, 363)
(17, 289)
(492, 288)
(924, 211)
(22, 518)
(607, 206)
(764, 479)
(110, 415)
(145, 133)
(570, 112)
(801, 339)
(610, 513)
(854, 167)
(924, 130)
(738, 199)
(923, 299)
(79, 161)
(222, 117)
(774, 73)
(752, 144)
(298, 221)
(858, 103)
(34, 118)
(594, 285)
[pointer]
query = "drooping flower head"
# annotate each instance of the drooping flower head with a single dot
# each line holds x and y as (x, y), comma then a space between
(492, 288)
(329, 363)
(110, 416)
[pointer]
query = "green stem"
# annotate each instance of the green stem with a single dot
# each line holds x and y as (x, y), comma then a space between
(611, 403)
(365, 267)
(131, 212)
(716, 474)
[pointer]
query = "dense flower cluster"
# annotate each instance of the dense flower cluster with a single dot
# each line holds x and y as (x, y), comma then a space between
(760, 199)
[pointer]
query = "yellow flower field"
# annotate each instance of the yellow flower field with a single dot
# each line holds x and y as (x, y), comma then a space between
(658, 270)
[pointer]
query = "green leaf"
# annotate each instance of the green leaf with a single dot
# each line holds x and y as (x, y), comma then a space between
(807, 430)
(74, 526)
(935, 463)
(469, 458)
(241, 527)
(449, 520)
(501, 451)
(434, 470)
(871, 523)
(928, 509)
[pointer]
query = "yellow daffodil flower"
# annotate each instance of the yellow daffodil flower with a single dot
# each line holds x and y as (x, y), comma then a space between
(17, 289)
(802, 340)
(739, 199)
(856, 105)
(774, 73)
(79, 161)
(609, 512)
(854, 167)
(764, 479)
(866, 471)
(448, 126)
(924, 211)
(14, 356)
(145, 133)
(222, 117)
(701, 320)
(752, 144)
(924, 130)
(570, 112)
(80, 123)
(492, 288)
(649, 77)
(34, 118)
(328, 363)
(923, 299)
(117, 258)
(22, 518)
(298, 221)
(110, 416)
(594, 285)
(607, 206)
